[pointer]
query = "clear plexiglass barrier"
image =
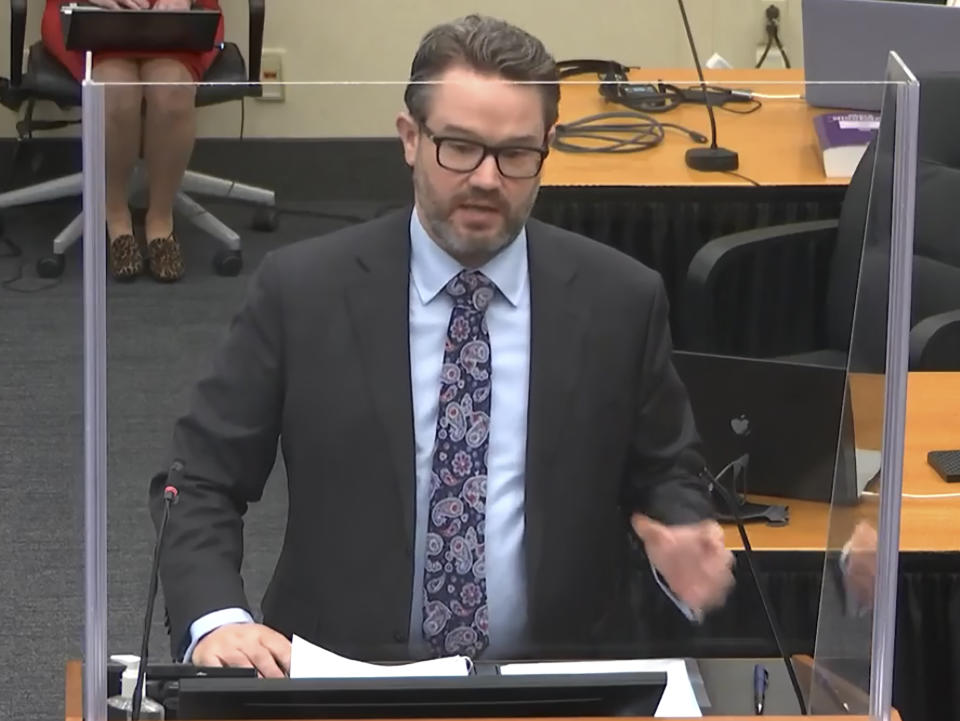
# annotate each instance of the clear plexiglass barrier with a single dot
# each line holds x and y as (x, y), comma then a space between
(483, 371)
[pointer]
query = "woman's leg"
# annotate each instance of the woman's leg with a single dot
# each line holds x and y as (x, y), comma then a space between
(169, 135)
(123, 138)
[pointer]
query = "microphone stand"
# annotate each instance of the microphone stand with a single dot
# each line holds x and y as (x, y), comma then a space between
(170, 494)
(712, 159)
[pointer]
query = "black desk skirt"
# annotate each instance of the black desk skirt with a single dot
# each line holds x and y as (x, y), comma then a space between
(665, 227)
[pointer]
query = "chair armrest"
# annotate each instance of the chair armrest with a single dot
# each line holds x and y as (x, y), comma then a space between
(770, 277)
(257, 20)
(935, 343)
(18, 33)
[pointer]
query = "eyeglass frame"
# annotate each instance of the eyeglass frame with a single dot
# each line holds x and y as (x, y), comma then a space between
(488, 150)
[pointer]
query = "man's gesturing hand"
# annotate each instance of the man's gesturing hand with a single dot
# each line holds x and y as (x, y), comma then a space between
(248, 645)
(692, 559)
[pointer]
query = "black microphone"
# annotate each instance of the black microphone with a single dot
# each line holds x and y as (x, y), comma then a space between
(712, 158)
(693, 461)
(171, 494)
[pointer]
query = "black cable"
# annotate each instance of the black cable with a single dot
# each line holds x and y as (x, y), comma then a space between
(756, 105)
(742, 177)
(279, 209)
(766, 50)
(638, 132)
(776, 39)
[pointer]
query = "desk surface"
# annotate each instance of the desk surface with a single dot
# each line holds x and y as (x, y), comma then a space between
(928, 522)
(777, 143)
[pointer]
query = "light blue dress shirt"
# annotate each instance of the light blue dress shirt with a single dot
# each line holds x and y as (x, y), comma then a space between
(508, 322)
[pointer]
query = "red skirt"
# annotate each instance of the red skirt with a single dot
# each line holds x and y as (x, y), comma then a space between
(52, 34)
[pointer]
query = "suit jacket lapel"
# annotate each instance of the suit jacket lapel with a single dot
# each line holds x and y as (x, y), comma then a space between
(558, 322)
(378, 303)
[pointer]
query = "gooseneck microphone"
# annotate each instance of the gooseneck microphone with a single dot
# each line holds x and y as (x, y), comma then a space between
(694, 462)
(170, 496)
(712, 159)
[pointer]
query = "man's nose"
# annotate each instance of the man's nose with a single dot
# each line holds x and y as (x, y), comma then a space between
(487, 175)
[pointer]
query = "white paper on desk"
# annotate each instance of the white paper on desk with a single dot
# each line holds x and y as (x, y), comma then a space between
(310, 661)
(678, 700)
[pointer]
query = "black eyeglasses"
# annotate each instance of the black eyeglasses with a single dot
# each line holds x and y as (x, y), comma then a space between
(465, 156)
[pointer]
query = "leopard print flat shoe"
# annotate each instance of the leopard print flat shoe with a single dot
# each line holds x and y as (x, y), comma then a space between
(164, 259)
(126, 263)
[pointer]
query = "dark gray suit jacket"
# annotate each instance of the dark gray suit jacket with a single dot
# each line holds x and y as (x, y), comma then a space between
(318, 358)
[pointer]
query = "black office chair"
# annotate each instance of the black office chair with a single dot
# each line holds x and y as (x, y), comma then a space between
(789, 291)
(46, 79)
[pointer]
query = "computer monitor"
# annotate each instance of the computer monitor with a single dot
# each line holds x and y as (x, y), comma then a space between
(786, 416)
(846, 44)
(478, 696)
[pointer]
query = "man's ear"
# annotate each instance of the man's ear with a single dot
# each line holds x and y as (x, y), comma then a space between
(551, 135)
(409, 131)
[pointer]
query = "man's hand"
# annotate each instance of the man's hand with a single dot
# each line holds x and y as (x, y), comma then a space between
(173, 5)
(247, 645)
(861, 566)
(122, 4)
(692, 559)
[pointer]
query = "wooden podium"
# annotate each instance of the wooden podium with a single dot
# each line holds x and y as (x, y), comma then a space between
(73, 703)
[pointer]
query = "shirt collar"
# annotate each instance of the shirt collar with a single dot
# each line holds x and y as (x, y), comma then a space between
(431, 267)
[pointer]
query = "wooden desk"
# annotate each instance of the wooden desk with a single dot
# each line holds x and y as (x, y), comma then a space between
(926, 524)
(777, 144)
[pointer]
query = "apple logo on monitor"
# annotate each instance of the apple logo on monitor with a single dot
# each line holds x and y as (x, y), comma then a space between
(740, 425)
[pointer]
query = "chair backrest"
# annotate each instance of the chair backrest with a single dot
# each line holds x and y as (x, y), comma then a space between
(845, 265)
(936, 271)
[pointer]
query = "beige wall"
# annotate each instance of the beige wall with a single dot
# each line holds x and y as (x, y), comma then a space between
(374, 40)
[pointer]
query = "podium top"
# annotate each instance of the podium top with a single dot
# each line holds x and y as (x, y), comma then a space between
(92, 28)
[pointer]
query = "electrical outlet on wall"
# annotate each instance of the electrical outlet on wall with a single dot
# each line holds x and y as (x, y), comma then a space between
(271, 75)
(761, 14)
(782, 5)
(774, 56)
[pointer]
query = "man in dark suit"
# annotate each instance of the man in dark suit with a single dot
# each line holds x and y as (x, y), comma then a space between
(474, 410)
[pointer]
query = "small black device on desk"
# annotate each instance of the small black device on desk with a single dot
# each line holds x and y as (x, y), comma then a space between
(475, 696)
(89, 27)
(946, 464)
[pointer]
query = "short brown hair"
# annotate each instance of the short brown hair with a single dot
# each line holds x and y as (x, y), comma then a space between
(486, 45)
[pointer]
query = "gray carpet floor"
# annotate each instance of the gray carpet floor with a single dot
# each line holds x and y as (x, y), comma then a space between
(160, 339)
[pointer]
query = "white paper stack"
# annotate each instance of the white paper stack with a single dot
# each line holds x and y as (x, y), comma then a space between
(310, 661)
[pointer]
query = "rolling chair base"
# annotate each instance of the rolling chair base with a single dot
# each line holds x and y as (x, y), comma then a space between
(228, 261)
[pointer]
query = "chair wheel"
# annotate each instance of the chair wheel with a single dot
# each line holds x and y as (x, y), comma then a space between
(51, 266)
(265, 220)
(228, 262)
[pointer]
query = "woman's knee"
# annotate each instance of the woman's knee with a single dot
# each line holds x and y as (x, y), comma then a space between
(173, 101)
(170, 88)
(122, 95)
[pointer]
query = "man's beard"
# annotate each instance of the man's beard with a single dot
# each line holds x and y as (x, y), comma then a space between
(438, 223)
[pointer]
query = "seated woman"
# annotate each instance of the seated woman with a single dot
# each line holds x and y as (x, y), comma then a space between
(165, 134)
